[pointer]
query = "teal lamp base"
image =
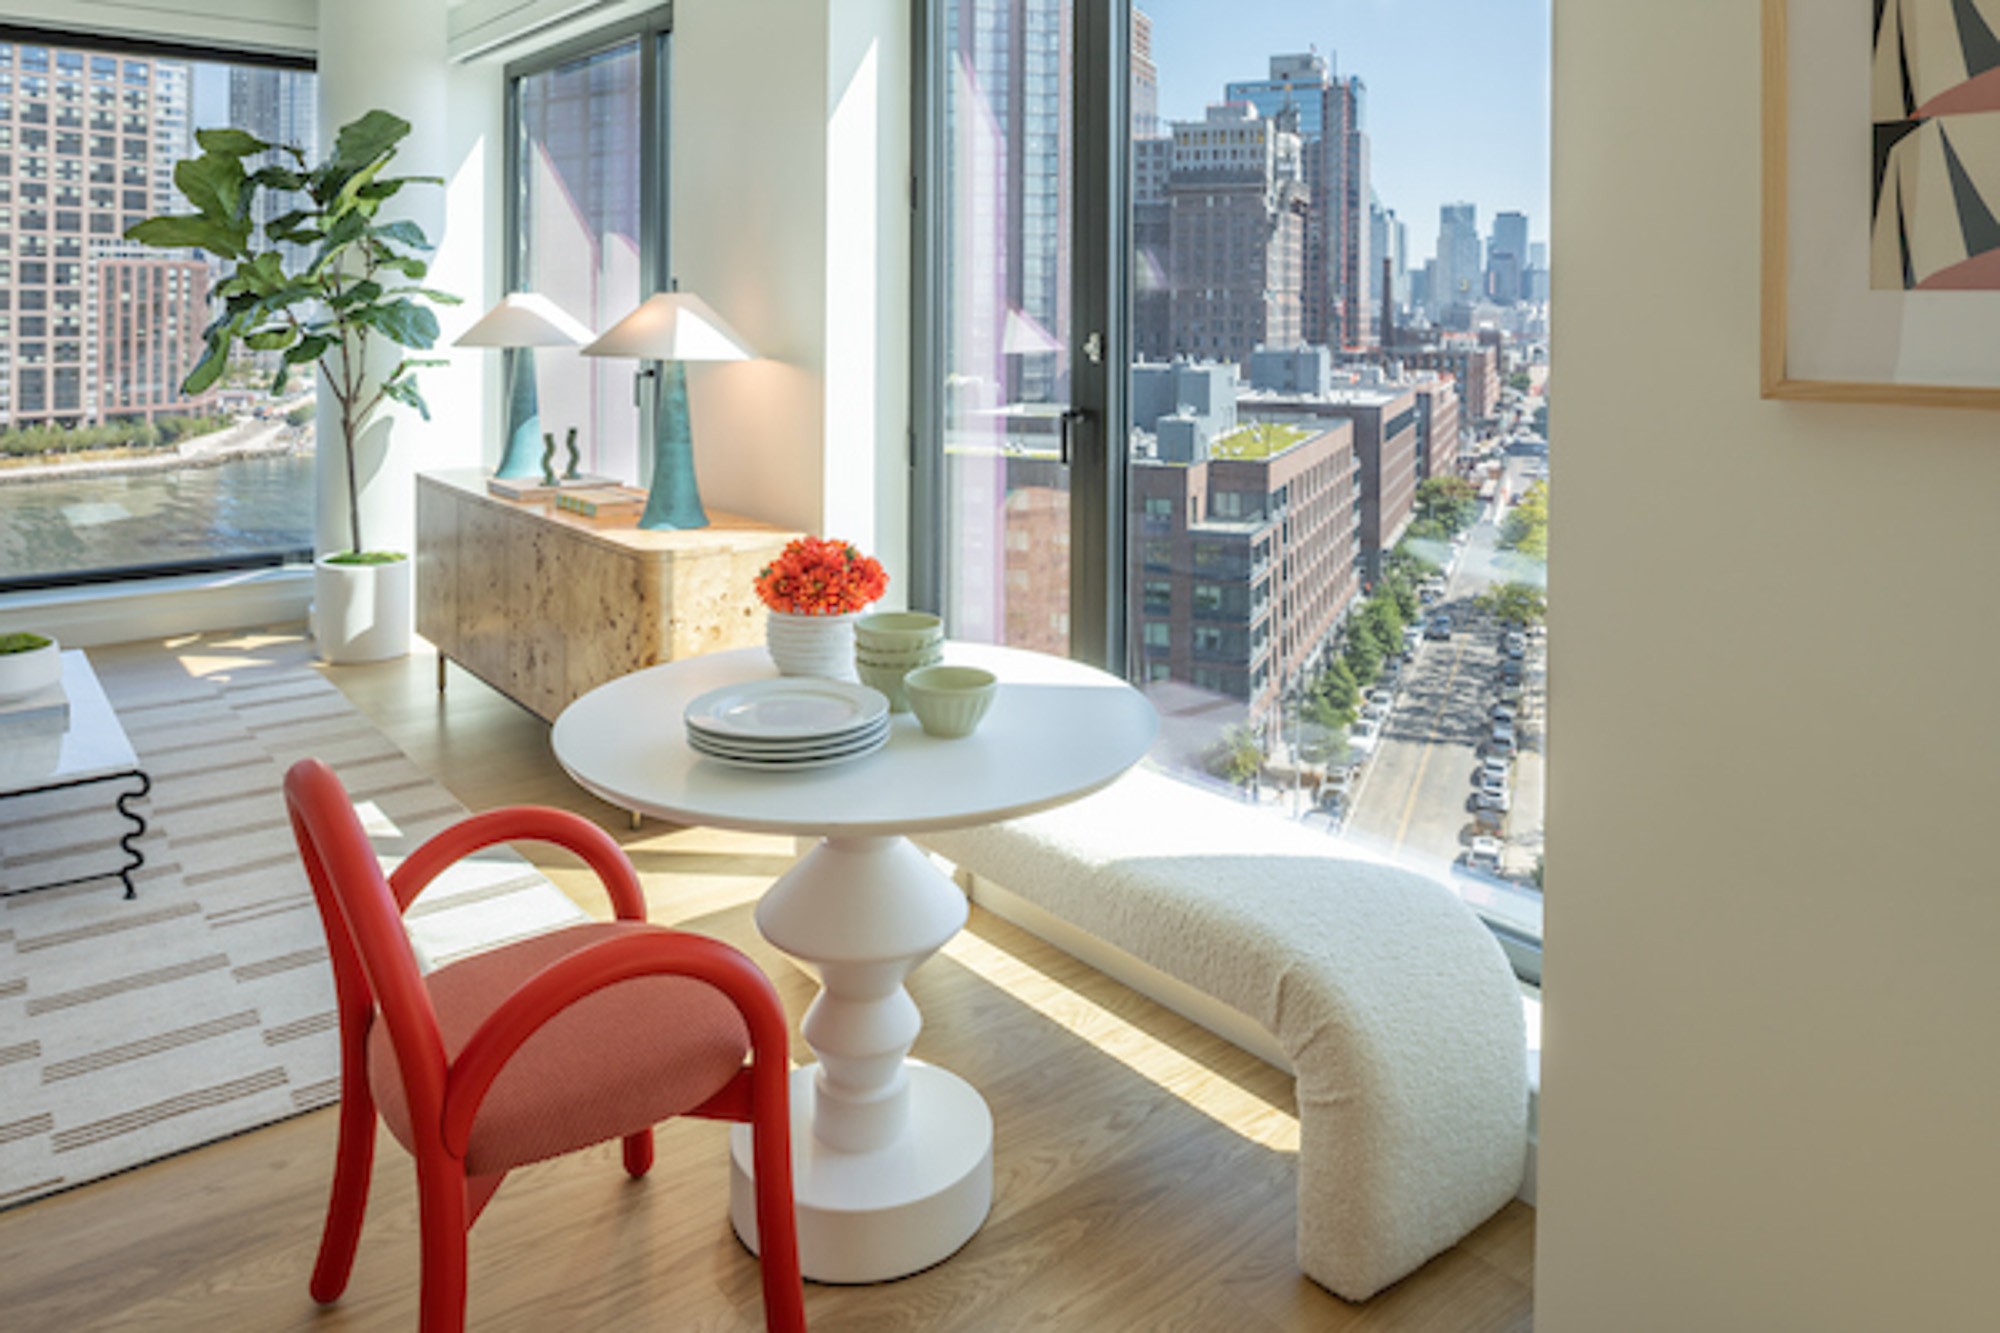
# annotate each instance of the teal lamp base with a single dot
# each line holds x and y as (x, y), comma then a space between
(674, 501)
(523, 455)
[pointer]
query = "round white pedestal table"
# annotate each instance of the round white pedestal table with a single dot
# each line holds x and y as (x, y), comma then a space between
(893, 1158)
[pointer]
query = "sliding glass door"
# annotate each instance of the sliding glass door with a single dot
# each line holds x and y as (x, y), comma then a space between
(1004, 368)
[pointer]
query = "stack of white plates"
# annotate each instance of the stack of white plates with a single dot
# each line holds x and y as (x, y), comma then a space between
(788, 723)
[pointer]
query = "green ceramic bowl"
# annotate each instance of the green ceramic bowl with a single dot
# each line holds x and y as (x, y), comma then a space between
(950, 700)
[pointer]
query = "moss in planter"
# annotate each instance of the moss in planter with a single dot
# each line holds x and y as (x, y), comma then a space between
(22, 643)
(366, 558)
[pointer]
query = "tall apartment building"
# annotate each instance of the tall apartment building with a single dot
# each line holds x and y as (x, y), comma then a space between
(279, 106)
(1245, 564)
(1017, 55)
(1152, 248)
(1145, 78)
(1507, 258)
(94, 327)
(1459, 282)
(1338, 274)
(1236, 221)
(1389, 243)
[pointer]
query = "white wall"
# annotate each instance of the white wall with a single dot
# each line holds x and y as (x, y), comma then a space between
(790, 216)
(1771, 1072)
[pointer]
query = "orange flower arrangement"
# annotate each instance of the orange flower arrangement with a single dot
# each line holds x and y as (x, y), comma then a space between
(815, 577)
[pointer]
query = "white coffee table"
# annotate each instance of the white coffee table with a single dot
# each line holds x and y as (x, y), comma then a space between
(90, 747)
(893, 1157)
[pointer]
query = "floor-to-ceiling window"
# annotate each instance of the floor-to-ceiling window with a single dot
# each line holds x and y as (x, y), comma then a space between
(1324, 310)
(106, 468)
(587, 175)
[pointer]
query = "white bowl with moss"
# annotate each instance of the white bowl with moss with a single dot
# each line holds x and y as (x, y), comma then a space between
(28, 663)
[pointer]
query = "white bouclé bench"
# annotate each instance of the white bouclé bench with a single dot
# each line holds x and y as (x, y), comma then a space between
(1390, 1001)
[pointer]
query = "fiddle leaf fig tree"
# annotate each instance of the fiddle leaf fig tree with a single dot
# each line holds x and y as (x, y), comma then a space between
(347, 278)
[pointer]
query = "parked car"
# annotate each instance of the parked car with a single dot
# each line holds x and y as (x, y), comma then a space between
(1362, 735)
(1504, 712)
(1375, 710)
(1514, 644)
(1510, 671)
(1485, 781)
(1501, 742)
(1493, 801)
(1497, 765)
(1438, 628)
(1484, 854)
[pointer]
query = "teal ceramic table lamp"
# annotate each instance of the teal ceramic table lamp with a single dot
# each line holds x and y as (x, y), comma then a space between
(672, 327)
(520, 323)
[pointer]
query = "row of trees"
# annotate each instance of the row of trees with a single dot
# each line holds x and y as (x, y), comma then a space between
(1526, 527)
(1445, 507)
(52, 438)
(1373, 635)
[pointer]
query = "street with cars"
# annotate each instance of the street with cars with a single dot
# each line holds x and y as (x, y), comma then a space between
(1453, 767)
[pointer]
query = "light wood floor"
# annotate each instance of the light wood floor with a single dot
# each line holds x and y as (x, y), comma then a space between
(1141, 1178)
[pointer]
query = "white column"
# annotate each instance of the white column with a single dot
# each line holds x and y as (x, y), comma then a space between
(387, 55)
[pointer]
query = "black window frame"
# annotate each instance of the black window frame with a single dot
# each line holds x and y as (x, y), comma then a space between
(17, 35)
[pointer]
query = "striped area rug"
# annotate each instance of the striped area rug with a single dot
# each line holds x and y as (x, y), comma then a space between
(130, 1030)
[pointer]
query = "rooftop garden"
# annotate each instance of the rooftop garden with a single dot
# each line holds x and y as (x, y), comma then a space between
(1257, 439)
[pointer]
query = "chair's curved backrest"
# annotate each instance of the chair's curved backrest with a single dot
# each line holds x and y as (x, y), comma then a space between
(374, 967)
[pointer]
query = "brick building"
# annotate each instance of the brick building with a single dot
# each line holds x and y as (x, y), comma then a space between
(1244, 565)
(1385, 425)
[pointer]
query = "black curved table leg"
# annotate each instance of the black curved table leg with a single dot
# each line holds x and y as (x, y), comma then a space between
(130, 840)
(126, 842)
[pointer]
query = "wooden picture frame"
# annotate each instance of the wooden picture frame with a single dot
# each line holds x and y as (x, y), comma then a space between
(1826, 335)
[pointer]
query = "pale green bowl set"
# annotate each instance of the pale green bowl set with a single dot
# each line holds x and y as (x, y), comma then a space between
(901, 653)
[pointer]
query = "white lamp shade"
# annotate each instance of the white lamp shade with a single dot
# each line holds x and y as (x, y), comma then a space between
(525, 319)
(672, 326)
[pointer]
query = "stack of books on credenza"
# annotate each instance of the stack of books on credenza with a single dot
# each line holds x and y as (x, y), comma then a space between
(526, 489)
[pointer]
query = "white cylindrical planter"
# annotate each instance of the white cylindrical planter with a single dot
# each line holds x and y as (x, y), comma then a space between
(362, 613)
(25, 673)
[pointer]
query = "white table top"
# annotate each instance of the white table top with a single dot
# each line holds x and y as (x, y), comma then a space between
(1057, 730)
(39, 753)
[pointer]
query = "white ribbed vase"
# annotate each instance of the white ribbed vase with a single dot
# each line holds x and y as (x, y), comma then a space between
(811, 645)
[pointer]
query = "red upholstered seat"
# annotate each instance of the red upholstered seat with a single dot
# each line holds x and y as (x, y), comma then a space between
(616, 1062)
(533, 1049)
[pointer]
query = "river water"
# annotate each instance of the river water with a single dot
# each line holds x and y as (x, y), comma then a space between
(68, 523)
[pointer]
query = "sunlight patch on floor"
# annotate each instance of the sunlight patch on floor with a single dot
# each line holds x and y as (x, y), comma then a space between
(1233, 1107)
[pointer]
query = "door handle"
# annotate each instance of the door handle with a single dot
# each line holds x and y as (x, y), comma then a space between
(1067, 440)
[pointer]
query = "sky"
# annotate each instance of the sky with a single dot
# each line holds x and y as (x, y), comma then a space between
(1458, 90)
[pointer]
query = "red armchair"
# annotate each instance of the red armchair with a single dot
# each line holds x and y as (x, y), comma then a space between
(532, 1049)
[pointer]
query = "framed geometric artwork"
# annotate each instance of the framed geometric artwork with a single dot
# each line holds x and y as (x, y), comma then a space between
(1881, 246)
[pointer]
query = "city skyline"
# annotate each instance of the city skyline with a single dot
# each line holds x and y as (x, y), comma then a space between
(1463, 119)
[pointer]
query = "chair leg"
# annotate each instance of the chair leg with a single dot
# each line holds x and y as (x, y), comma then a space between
(639, 1153)
(777, 1222)
(354, 1155)
(441, 1218)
